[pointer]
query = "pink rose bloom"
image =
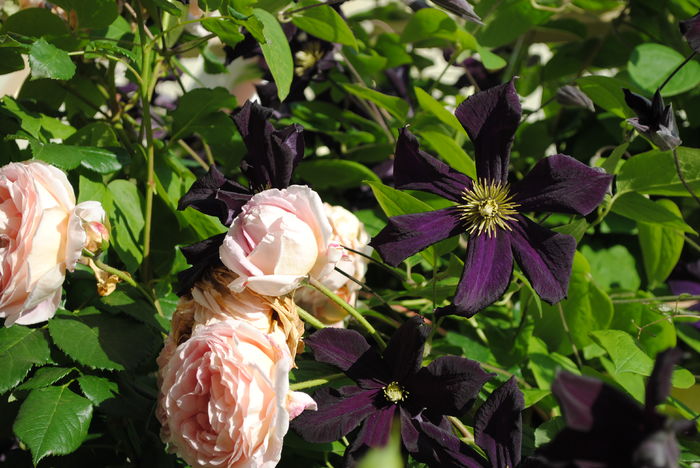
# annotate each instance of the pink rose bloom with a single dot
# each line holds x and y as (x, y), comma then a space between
(224, 396)
(348, 231)
(279, 238)
(36, 205)
(86, 231)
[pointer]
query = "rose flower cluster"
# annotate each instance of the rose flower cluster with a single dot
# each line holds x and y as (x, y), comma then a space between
(224, 371)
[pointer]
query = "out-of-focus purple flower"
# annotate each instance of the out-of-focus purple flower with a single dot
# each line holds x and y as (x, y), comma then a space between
(489, 211)
(654, 119)
(572, 96)
(686, 280)
(272, 156)
(483, 77)
(393, 384)
(607, 429)
(690, 29)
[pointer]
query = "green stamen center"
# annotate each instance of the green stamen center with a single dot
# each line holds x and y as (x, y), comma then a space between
(395, 392)
(487, 207)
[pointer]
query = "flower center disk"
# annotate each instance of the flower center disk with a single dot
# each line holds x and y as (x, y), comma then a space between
(395, 393)
(487, 207)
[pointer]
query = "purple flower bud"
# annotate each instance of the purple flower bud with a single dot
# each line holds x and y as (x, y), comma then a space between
(690, 29)
(572, 96)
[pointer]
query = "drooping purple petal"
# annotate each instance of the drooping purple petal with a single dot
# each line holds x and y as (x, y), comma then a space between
(417, 170)
(448, 385)
(490, 118)
(690, 29)
(377, 427)
(404, 353)
(349, 351)
(659, 383)
(272, 154)
(561, 184)
(589, 404)
(544, 256)
(435, 446)
(487, 271)
(215, 195)
(339, 412)
(202, 256)
(408, 234)
(498, 425)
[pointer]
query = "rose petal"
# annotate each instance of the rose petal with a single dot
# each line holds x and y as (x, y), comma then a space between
(487, 271)
(408, 234)
(490, 118)
(545, 257)
(561, 184)
(417, 170)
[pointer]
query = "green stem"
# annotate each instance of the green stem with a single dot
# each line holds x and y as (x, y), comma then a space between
(310, 319)
(692, 243)
(349, 309)
(571, 337)
(681, 297)
(124, 276)
(315, 382)
(673, 73)
(685, 183)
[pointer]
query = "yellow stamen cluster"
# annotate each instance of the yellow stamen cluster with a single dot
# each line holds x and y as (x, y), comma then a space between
(487, 207)
(395, 392)
(307, 57)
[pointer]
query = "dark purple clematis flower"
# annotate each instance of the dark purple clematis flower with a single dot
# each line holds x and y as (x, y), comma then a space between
(393, 385)
(654, 119)
(490, 211)
(607, 429)
(690, 29)
(272, 156)
(686, 280)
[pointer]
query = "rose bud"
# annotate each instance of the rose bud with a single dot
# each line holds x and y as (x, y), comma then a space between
(87, 229)
(37, 240)
(224, 396)
(348, 231)
(279, 238)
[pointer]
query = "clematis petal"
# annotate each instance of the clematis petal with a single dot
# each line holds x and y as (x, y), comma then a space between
(498, 425)
(435, 446)
(487, 271)
(404, 353)
(272, 154)
(690, 29)
(349, 351)
(562, 184)
(659, 383)
(215, 195)
(491, 118)
(545, 257)
(417, 170)
(461, 8)
(448, 385)
(202, 256)
(339, 412)
(408, 234)
(377, 427)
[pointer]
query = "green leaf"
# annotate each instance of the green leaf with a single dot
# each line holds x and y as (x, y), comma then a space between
(334, 173)
(44, 377)
(92, 14)
(625, 354)
(127, 222)
(276, 51)
(586, 308)
(68, 157)
(194, 105)
(450, 151)
(654, 173)
(53, 421)
(10, 60)
(427, 24)
(613, 267)
(228, 31)
(395, 202)
(611, 165)
(20, 349)
(98, 389)
(661, 246)
(35, 22)
(103, 341)
(650, 64)
(324, 22)
(654, 330)
(48, 61)
(639, 208)
(432, 105)
(607, 93)
(514, 18)
(396, 106)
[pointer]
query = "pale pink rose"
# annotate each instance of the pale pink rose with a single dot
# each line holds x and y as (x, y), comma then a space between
(36, 205)
(348, 231)
(86, 230)
(279, 238)
(224, 396)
